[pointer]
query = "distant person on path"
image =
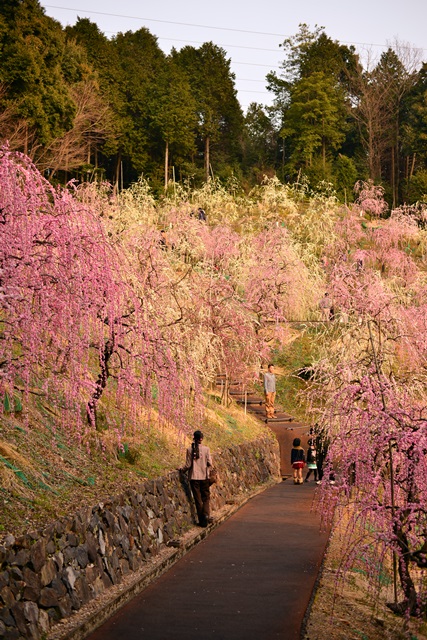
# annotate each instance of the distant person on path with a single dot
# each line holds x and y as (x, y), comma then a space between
(325, 305)
(297, 460)
(322, 445)
(198, 461)
(269, 391)
(201, 214)
(311, 460)
(163, 242)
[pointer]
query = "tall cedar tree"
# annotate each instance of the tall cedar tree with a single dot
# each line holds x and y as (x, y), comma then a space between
(414, 139)
(219, 115)
(311, 95)
(261, 141)
(140, 61)
(173, 113)
(51, 108)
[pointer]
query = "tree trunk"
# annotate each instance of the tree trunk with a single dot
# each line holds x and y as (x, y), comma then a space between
(166, 165)
(393, 176)
(207, 159)
(410, 604)
(117, 177)
(101, 382)
(88, 162)
(397, 166)
(412, 166)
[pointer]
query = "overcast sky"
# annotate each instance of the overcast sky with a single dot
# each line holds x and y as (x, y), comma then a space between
(250, 34)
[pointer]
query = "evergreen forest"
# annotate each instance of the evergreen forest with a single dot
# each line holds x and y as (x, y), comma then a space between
(87, 107)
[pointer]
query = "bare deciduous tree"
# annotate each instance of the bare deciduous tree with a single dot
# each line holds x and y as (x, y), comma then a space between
(377, 93)
(91, 127)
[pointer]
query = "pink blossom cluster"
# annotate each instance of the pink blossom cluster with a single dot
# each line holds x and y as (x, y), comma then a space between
(70, 317)
(87, 312)
(370, 198)
(370, 394)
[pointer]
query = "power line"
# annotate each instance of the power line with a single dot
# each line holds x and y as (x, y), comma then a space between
(182, 24)
(249, 64)
(266, 93)
(250, 91)
(250, 80)
(235, 46)
(234, 62)
(205, 26)
(255, 64)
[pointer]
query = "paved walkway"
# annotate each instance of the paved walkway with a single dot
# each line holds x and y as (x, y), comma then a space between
(251, 578)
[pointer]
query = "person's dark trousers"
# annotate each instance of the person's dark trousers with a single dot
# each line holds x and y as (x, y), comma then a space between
(201, 494)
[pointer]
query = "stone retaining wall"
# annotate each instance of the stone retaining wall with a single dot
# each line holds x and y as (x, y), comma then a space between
(47, 575)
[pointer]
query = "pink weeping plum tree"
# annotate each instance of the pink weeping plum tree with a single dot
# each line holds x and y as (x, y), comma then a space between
(70, 320)
(370, 198)
(378, 442)
(375, 415)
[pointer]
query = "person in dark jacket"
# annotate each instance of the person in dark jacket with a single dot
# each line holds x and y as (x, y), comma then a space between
(311, 460)
(297, 460)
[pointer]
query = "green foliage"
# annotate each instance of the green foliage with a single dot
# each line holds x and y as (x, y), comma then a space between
(173, 113)
(345, 174)
(138, 61)
(232, 422)
(6, 403)
(313, 51)
(298, 354)
(414, 117)
(219, 116)
(19, 474)
(315, 119)
(261, 140)
(296, 360)
(416, 188)
(129, 454)
(72, 97)
(12, 404)
(33, 54)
